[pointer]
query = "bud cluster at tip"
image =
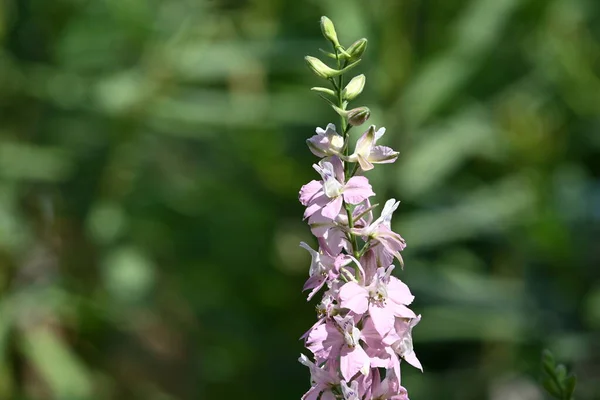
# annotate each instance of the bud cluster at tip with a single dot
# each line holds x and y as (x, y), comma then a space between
(345, 60)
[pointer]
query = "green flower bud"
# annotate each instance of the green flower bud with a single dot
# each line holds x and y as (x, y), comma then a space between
(354, 87)
(324, 71)
(357, 49)
(323, 90)
(329, 31)
(320, 68)
(358, 116)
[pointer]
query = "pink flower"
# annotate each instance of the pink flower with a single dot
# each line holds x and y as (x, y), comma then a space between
(323, 381)
(339, 339)
(387, 244)
(327, 195)
(385, 298)
(389, 388)
(332, 232)
(324, 267)
(350, 392)
(401, 342)
(326, 142)
(367, 153)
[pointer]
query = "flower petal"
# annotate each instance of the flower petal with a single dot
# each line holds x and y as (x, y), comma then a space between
(354, 297)
(357, 189)
(332, 209)
(399, 292)
(412, 359)
(382, 155)
(353, 360)
(383, 318)
(308, 191)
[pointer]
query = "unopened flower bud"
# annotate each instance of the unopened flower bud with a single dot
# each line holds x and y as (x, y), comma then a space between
(329, 31)
(357, 49)
(358, 116)
(354, 87)
(320, 68)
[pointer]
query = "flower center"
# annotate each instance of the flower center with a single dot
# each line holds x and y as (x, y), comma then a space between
(337, 142)
(378, 294)
(332, 187)
(351, 336)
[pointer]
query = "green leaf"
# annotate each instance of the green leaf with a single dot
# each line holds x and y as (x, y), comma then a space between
(61, 369)
(569, 386)
(561, 373)
(552, 387)
(548, 362)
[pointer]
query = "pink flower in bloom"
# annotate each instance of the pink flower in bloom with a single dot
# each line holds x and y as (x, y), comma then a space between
(339, 339)
(368, 153)
(332, 233)
(323, 267)
(385, 298)
(323, 381)
(327, 142)
(401, 340)
(388, 389)
(387, 243)
(329, 194)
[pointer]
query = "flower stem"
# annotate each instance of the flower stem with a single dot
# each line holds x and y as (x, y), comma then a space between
(345, 128)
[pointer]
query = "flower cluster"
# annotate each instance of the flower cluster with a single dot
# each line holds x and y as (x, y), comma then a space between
(365, 327)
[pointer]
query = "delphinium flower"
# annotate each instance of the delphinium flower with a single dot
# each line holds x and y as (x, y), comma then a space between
(364, 324)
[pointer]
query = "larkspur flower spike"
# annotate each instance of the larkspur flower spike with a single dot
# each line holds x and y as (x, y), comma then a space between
(364, 326)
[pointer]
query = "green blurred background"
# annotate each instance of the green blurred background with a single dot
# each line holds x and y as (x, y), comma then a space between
(151, 153)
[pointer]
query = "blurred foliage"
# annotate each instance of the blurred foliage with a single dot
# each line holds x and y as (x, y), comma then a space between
(151, 154)
(555, 378)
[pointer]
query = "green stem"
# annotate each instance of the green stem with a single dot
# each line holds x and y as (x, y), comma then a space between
(345, 128)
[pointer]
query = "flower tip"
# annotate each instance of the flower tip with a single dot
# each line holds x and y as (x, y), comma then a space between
(328, 30)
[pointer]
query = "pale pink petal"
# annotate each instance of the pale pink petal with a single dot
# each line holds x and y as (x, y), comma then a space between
(364, 163)
(313, 393)
(332, 209)
(403, 312)
(335, 241)
(370, 335)
(412, 359)
(392, 241)
(365, 142)
(328, 395)
(318, 145)
(338, 168)
(357, 189)
(364, 384)
(380, 132)
(369, 263)
(315, 283)
(308, 191)
(365, 210)
(383, 155)
(354, 297)
(383, 318)
(318, 202)
(399, 292)
(383, 257)
(353, 360)
(315, 325)
(324, 341)
(319, 225)
(379, 357)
